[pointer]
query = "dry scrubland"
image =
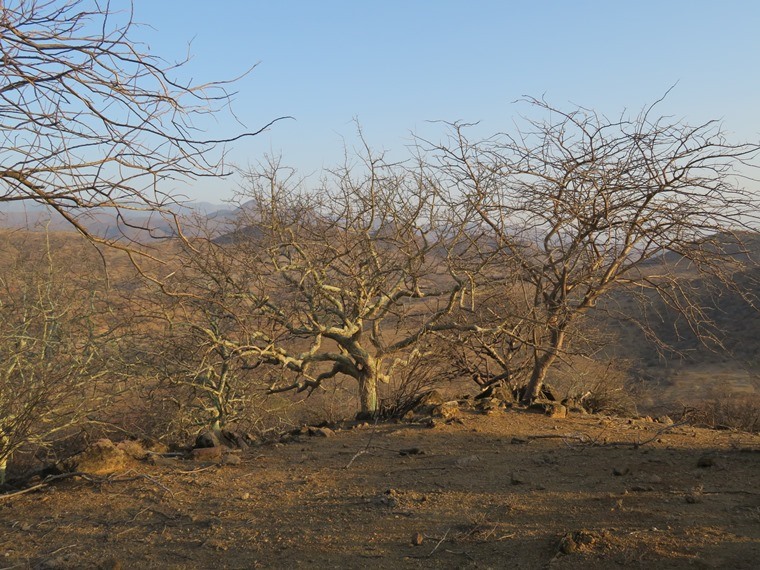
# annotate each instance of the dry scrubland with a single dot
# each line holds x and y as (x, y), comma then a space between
(496, 489)
(613, 258)
(477, 484)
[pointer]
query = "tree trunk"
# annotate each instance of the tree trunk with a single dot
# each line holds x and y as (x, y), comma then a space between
(537, 377)
(368, 392)
(542, 366)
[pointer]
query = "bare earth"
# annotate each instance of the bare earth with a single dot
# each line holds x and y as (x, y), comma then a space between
(507, 490)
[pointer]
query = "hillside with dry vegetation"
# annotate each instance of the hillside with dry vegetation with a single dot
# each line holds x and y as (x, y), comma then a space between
(534, 349)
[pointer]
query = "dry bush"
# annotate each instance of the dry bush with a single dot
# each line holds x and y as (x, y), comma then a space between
(58, 348)
(598, 386)
(738, 412)
(411, 379)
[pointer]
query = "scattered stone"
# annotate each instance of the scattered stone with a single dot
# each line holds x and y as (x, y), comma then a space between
(567, 545)
(496, 392)
(207, 439)
(488, 405)
(551, 409)
(428, 401)
(235, 440)
(693, 498)
(245, 496)
(207, 453)
(619, 472)
(231, 459)
(466, 404)
(516, 478)
(160, 460)
(466, 461)
(388, 499)
(665, 420)
(417, 539)
(100, 458)
(446, 411)
(321, 432)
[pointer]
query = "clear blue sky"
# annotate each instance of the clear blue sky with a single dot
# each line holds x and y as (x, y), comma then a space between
(396, 65)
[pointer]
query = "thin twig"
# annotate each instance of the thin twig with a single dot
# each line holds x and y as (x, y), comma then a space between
(44, 483)
(366, 449)
(659, 432)
(440, 542)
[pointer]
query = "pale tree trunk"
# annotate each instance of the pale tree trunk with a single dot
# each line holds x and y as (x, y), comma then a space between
(542, 365)
(368, 389)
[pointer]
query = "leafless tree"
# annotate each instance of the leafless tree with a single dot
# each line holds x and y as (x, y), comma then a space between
(344, 280)
(579, 205)
(89, 118)
(196, 338)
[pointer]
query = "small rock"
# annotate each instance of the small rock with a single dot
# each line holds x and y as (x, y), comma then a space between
(446, 411)
(411, 451)
(487, 405)
(235, 440)
(567, 545)
(417, 539)
(469, 460)
(245, 496)
(432, 398)
(665, 420)
(207, 453)
(516, 478)
(388, 499)
(551, 409)
(518, 441)
(231, 459)
(321, 432)
(207, 439)
(620, 471)
(160, 460)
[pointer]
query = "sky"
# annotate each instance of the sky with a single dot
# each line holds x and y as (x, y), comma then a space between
(395, 66)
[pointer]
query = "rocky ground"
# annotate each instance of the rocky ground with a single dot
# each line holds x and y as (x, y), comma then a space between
(473, 488)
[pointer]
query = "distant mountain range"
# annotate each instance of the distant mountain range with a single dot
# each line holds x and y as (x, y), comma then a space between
(111, 223)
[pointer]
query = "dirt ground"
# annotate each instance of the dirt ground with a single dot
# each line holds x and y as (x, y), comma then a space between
(510, 489)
